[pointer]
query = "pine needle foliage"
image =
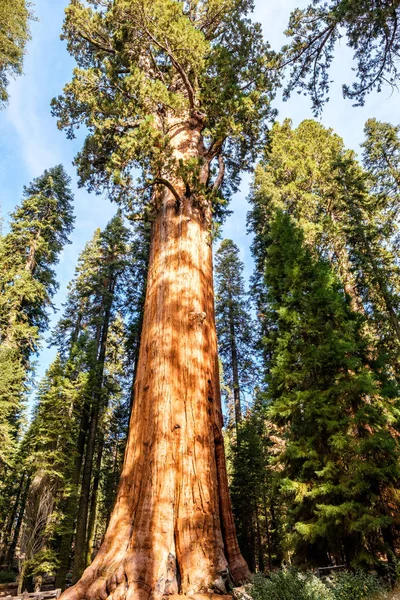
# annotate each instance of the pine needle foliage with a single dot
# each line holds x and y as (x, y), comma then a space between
(39, 229)
(341, 454)
(143, 67)
(370, 30)
(14, 35)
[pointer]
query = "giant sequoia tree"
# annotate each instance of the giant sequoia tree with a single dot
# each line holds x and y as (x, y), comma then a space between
(180, 90)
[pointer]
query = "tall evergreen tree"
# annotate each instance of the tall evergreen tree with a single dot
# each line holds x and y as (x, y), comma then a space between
(14, 34)
(110, 266)
(308, 172)
(108, 282)
(180, 90)
(39, 229)
(235, 326)
(340, 459)
(49, 452)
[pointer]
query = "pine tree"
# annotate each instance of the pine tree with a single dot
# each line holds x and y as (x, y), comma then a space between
(309, 173)
(180, 90)
(39, 229)
(49, 452)
(14, 34)
(234, 325)
(340, 454)
(111, 264)
(381, 157)
(103, 301)
(254, 484)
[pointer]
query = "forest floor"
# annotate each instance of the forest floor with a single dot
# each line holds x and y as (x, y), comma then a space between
(395, 595)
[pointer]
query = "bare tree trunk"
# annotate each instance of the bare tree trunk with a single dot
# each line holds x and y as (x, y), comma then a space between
(93, 501)
(261, 566)
(235, 372)
(11, 519)
(84, 499)
(70, 510)
(267, 534)
(172, 529)
(14, 542)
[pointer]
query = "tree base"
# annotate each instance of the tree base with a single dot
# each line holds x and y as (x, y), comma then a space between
(210, 596)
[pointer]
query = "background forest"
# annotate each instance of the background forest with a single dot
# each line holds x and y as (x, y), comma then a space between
(306, 276)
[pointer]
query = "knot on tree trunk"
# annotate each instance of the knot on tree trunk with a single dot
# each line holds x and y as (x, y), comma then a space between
(197, 318)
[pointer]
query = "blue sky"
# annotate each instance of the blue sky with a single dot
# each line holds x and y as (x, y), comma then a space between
(30, 141)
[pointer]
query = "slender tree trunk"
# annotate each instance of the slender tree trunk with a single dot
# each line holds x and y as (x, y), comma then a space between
(70, 509)
(261, 566)
(172, 529)
(13, 545)
(93, 501)
(11, 519)
(267, 532)
(235, 372)
(83, 510)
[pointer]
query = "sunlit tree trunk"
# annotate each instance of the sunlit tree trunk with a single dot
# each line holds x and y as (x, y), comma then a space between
(171, 530)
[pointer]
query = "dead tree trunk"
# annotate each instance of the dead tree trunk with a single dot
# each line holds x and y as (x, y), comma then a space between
(171, 530)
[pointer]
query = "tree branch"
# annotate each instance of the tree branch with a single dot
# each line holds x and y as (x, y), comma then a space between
(221, 173)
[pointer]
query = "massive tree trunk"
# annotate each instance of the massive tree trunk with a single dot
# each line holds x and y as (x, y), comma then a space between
(171, 530)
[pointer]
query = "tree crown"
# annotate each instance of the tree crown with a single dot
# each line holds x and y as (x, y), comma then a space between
(143, 67)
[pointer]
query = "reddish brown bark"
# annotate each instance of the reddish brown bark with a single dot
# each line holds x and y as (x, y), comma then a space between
(171, 531)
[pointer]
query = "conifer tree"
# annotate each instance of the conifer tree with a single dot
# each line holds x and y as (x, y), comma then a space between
(39, 229)
(381, 157)
(103, 300)
(14, 34)
(234, 325)
(308, 172)
(49, 451)
(180, 90)
(111, 263)
(340, 459)
(257, 503)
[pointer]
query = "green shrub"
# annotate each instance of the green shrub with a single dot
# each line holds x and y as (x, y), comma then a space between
(355, 586)
(289, 585)
(7, 576)
(294, 585)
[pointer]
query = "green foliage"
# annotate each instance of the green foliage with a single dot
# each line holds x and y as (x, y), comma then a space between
(289, 585)
(346, 213)
(355, 586)
(338, 450)
(371, 32)
(145, 67)
(381, 158)
(293, 585)
(254, 489)
(39, 229)
(43, 563)
(6, 576)
(235, 326)
(14, 34)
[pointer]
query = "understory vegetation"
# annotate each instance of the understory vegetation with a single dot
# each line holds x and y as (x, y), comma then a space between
(290, 584)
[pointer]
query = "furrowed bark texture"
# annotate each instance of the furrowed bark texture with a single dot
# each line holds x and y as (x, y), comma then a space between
(172, 531)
